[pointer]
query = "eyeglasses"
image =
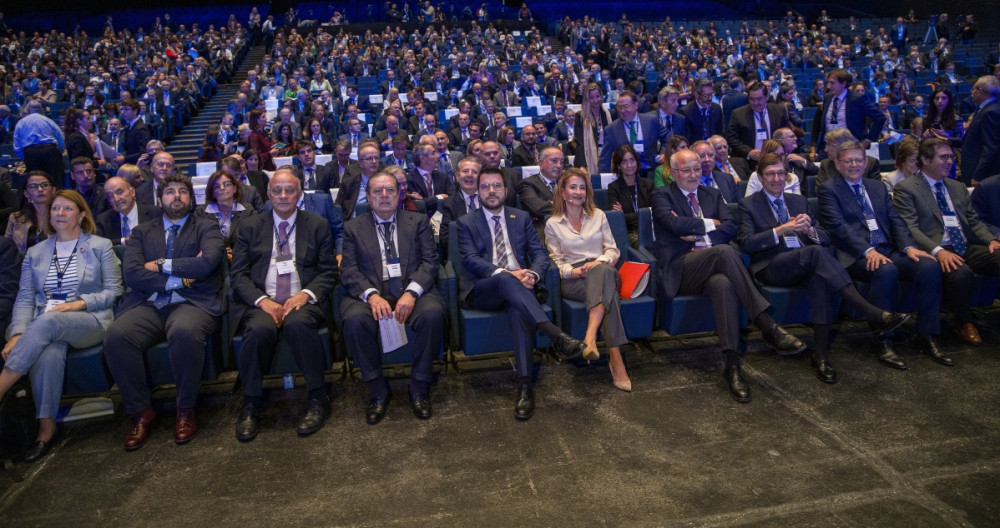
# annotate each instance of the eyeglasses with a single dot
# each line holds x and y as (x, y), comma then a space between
(278, 191)
(775, 174)
(853, 161)
(222, 185)
(496, 186)
(37, 186)
(685, 172)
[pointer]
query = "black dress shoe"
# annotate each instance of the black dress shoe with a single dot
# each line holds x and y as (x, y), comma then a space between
(316, 413)
(39, 449)
(569, 348)
(784, 343)
(930, 347)
(738, 388)
(421, 406)
(376, 409)
(246, 424)
(887, 355)
(824, 371)
(887, 322)
(525, 405)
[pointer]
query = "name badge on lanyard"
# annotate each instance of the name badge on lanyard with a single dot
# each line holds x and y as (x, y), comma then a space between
(393, 267)
(55, 299)
(870, 221)
(284, 264)
(951, 221)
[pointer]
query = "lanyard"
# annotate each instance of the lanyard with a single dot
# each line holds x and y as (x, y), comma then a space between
(281, 245)
(61, 272)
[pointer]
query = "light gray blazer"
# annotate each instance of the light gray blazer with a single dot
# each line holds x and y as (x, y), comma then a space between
(100, 274)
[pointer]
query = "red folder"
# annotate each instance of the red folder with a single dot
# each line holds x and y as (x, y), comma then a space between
(635, 276)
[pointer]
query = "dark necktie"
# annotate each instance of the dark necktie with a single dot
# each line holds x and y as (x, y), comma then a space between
(954, 233)
(704, 124)
(780, 211)
(283, 283)
(163, 298)
(877, 237)
(632, 134)
(693, 200)
(499, 247)
(836, 110)
(472, 203)
(310, 179)
(395, 283)
(126, 229)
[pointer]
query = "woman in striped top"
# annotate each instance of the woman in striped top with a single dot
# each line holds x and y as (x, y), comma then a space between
(69, 284)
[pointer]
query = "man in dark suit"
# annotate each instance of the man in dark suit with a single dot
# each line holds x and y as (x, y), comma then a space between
(941, 218)
(754, 123)
(126, 214)
(704, 118)
(693, 229)
(315, 177)
(114, 135)
(342, 164)
(874, 244)
(788, 248)
(986, 201)
(425, 182)
(162, 164)
(352, 189)
(564, 130)
(631, 127)
(399, 155)
(137, 134)
(713, 177)
(496, 276)
(738, 167)
(385, 137)
(527, 153)
(981, 145)
(536, 192)
(84, 180)
(671, 122)
(734, 98)
(464, 200)
(173, 271)
(843, 108)
(280, 281)
(390, 270)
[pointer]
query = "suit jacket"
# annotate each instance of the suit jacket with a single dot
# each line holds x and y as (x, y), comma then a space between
(727, 186)
(513, 99)
(742, 131)
(730, 102)
(442, 185)
(383, 135)
(390, 159)
(980, 147)
(536, 199)
(475, 245)
(828, 170)
(618, 193)
(560, 132)
(843, 216)
(347, 198)
(864, 119)
(135, 141)
(757, 222)
(109, 223)
(986, 201)
(361, 267)
(616, 135)
(98, 271)
(522, 157)
(673, 218)
(917, 205)
(326, 178)
(149, 242)
(696, 121)
(452, 208)
(678, 125)
(315, 260)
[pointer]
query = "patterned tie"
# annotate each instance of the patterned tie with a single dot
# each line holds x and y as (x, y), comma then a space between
(354, 140)
(693, 200)
(551, 185)
(836, 110)
(126, 229)
(779, 209)
(954, 233)
(395, 283)
(877, 237)
(472, 203)
(430, 185)
(704, 123)
(163, 298)
(283, 283)
(499, 247)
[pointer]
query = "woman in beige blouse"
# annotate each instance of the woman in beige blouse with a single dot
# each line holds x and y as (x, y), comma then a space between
(581, 245)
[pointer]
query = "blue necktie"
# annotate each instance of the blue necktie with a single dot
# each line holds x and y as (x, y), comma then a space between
(954, 233)
(708, 181)
(877, 237)
(163, 298)
(126, 229)
(779, 209)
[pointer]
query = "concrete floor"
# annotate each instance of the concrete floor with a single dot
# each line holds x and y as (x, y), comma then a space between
(919, 448)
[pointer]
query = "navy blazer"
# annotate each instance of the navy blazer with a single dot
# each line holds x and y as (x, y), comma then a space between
(678, 125)
(673, 218)
(981, 147)
(442, 185)
(757, 222)
(986, 201)
(696, 121)
(616, 135)
(742, 131)
(135, 141)
(727, 186)
(109, 223)
(475, 245)
(149, 242)
(361, 267)
(843, 216)
(452, 208)
(860, 111)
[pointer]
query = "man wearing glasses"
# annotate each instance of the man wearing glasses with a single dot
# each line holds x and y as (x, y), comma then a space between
(642, 131)
(352, 188)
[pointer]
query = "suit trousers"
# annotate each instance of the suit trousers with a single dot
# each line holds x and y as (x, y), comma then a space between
(719, 273)
(361, 335)
(925, 274)
(40, 352)
(260, 341)
(600, 286)
(186, 329)
(504, 292)
(958, 284)
(814, 267)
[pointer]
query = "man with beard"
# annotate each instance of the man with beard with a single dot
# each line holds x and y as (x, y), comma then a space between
(126, 214)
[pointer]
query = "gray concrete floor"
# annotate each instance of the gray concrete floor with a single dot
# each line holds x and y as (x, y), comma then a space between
(919, 448)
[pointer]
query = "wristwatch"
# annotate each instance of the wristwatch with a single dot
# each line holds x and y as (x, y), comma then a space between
(159, 264)
(413, 292)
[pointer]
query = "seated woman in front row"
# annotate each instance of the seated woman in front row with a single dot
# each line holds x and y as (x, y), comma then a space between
(69, 284)
(628, 192)
(581, 245)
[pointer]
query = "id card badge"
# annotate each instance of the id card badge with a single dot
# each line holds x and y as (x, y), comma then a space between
(284, 264)
(951, 221)
(55, 299)
(639, 148)
(792, 241)
(395, 271)
(872, 224)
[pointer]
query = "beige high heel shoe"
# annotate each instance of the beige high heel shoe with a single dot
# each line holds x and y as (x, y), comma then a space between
(624, 385)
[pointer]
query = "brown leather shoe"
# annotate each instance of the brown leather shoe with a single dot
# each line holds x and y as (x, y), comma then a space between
(968, 333)
(141, 424)
(185, 427)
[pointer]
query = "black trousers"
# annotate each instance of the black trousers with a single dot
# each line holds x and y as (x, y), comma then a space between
(814, 267)
(260, 340)
(504, 292)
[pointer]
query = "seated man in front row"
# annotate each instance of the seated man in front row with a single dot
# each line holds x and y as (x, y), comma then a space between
(284, 266)
(693, 228)
(497, 246)
(390, 269)
(788, 248)
(173, 271)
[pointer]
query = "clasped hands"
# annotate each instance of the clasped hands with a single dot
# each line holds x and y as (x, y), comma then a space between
(278, 312)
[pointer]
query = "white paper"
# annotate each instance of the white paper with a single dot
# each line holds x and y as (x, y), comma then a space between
(392, 333)
(534, 100)
(513, 111)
